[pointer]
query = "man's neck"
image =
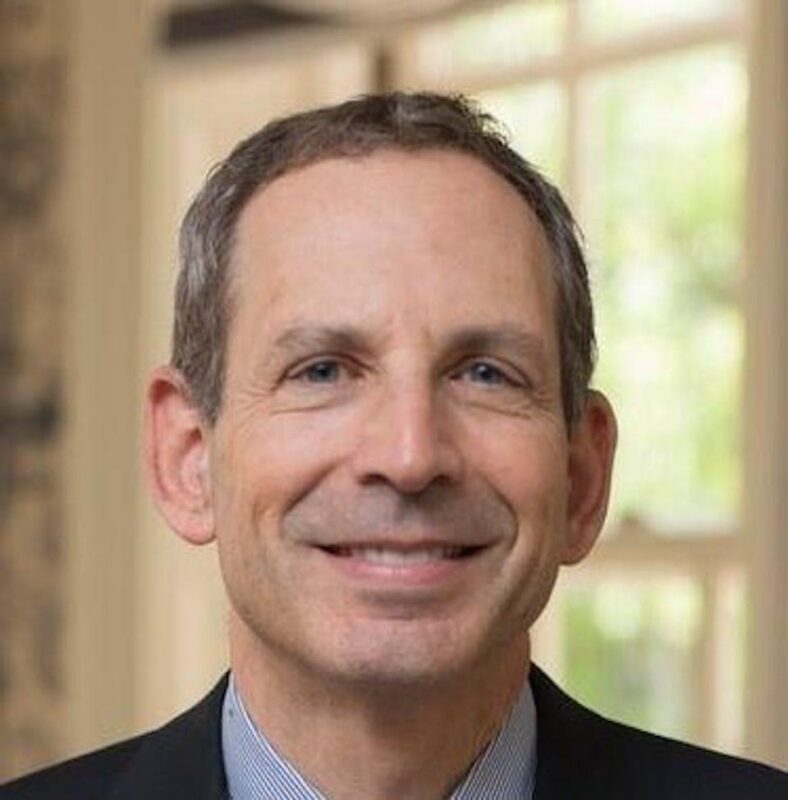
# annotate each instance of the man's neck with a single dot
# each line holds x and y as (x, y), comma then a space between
(375, 743)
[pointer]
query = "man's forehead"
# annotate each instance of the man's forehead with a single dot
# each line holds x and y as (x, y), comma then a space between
(440, 219)
(441, 169)
(332, 203)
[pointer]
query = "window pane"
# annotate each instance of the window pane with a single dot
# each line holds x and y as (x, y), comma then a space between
(630, 648)
(603, 19)
(662, 196)
(510, 35)
(535, 115)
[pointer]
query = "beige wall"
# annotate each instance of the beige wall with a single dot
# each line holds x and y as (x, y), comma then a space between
(765, 513)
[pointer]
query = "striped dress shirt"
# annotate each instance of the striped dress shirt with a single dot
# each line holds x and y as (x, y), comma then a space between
(255, 771)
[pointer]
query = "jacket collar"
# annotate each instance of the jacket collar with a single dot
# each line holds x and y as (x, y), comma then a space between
(182, 760)
(573, 756)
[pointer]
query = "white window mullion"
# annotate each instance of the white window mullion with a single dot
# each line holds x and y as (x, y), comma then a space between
(728, 657)
(707, 654)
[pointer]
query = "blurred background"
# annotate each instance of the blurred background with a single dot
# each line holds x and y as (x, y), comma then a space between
(665, 122)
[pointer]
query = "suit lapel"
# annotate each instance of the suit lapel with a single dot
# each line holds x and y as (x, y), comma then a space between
(569, 741)
(182, 760)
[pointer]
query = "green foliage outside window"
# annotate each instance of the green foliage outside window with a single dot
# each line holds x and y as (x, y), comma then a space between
(662, 206)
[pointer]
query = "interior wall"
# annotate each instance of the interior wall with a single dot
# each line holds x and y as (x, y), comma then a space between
(109, 47)
(32, 266)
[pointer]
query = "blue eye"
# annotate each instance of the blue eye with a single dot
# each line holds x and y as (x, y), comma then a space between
(326, 371)
(482, 372)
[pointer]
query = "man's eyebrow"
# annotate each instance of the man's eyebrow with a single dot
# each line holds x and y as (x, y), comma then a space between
(504, 338)
(324, 337)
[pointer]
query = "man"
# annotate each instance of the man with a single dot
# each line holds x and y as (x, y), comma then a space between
(379, 408)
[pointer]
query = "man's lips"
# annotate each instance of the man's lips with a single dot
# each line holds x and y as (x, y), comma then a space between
(403, 565)
(402, 554)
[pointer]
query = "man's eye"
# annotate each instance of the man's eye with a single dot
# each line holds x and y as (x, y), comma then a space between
(486, 374)
(325, 371)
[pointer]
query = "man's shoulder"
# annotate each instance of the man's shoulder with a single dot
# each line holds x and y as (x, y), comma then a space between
(578, 747)
(182, 759)
(671, 766)
(88, 776)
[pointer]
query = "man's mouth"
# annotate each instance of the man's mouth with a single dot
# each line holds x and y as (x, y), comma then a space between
(402, 557)
(404, 564)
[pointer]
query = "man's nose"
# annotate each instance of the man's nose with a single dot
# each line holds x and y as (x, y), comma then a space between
(408, 442)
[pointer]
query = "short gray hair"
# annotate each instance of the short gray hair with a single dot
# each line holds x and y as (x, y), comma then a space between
(358, 127)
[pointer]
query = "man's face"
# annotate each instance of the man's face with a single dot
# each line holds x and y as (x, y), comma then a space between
(390, 471)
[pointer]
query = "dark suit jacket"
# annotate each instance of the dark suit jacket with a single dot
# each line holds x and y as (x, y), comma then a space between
(580, 755)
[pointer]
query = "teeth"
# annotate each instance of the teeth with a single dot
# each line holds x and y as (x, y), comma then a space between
(400, 558)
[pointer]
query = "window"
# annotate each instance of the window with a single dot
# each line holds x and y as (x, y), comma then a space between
(638, 111)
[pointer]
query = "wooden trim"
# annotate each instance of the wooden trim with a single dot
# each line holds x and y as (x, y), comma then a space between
(765, 512)
(101, 475)
(690, 553)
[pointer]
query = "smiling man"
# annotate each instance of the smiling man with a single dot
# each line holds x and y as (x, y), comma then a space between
(379, 408)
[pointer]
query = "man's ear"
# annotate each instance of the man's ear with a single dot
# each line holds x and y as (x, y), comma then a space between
(176, 454)
(592, 445)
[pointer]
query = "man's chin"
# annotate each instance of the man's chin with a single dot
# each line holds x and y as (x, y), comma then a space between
(402, 661)
(401, 677)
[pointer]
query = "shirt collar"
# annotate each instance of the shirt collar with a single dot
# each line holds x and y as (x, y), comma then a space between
(256, 771)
